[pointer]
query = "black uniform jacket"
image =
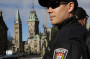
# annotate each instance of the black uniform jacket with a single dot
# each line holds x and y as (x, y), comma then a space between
(68, 42)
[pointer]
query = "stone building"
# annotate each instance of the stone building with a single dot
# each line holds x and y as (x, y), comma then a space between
(35, 45)
(49, 33)
(26, 48)
(44, 41)
(33, 24)
(45, 38)
(18, 33)
(3, 35)
(32, 45)
(44, 44)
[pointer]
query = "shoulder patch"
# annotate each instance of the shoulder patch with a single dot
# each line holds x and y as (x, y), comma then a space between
(60, 53)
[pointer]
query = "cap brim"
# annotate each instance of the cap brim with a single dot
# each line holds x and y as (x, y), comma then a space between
(43, 3)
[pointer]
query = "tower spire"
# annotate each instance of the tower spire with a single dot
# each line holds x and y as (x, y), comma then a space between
(17, 15)
(32, 5)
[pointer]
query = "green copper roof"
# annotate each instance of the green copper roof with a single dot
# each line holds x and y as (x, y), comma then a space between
(33, 16)
(37, 37)
(17, 15)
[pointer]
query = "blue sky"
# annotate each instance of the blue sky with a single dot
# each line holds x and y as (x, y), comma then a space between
(9, 8)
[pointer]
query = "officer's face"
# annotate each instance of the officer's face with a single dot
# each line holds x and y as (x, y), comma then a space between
(58, 14)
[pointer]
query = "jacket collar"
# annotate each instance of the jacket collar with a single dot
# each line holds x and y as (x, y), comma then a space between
(69, 20)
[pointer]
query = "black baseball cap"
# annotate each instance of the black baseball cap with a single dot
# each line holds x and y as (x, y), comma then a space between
(81, 13)
(55, 3)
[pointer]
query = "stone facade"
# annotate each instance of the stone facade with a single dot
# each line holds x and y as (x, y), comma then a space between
(35, 45)
(44, 41)
(32, 45)
(3, 35)
(49, 33)
(18, 33)
(33, 24)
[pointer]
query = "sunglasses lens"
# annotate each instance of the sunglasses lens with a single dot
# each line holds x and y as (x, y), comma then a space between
(53, 5)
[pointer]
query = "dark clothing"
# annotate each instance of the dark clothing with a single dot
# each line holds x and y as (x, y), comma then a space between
(88, 42)
(68, 42)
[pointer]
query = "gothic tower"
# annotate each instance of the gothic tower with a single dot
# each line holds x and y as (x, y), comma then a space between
(33, 24)
(18, 32)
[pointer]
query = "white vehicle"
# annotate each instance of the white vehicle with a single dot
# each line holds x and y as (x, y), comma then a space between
(9, 52)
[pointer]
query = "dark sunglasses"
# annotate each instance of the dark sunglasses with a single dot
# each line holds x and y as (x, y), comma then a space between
(56, 4)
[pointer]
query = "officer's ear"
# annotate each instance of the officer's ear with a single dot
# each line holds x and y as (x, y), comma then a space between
(70, 7)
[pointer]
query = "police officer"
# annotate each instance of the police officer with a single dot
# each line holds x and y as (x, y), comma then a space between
(69, 41)
(82, 16)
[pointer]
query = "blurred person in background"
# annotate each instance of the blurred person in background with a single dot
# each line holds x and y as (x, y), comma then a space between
(82, 16)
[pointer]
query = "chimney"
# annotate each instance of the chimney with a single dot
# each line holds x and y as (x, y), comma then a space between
(0, 12)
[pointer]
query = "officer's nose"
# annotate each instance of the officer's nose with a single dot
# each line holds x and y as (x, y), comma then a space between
(50, 10)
